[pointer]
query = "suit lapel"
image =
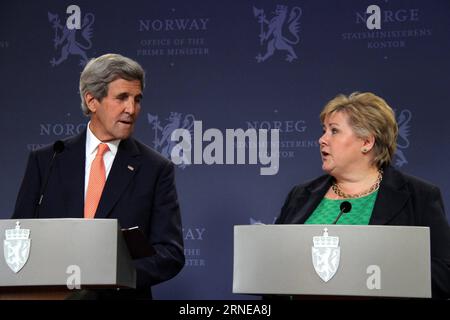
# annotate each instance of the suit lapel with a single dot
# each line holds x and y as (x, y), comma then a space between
(71, 166)
(309, 199)
(391, 198)
(125, 166)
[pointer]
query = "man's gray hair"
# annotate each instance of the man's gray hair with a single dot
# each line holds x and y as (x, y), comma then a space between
(101, 71)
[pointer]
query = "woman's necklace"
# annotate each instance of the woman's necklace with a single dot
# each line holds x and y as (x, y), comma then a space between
(344, 195)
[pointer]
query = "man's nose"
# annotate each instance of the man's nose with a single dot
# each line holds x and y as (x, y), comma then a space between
(130, 106)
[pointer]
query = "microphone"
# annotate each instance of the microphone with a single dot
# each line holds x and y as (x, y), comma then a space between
(58, 147)
(345, 207)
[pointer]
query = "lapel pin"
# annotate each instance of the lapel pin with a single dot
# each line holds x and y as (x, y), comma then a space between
(130, 168)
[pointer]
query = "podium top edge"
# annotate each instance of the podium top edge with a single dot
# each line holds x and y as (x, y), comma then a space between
(315, 226)
(59, 219)
(105, 222)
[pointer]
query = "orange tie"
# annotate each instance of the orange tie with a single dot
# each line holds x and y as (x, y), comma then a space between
(97, 178)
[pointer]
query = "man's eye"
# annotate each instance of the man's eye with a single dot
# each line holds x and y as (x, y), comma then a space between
(333, 131)
(122, 97)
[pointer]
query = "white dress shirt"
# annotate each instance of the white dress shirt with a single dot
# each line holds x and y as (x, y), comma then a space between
(91, 150)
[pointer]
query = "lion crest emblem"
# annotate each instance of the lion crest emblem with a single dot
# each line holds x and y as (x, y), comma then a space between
(16, 247)
(273, 36)
(403, 120)
(326, 255)
(162, 141)
(66, 41)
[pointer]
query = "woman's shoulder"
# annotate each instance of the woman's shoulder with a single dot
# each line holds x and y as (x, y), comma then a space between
(413, 182)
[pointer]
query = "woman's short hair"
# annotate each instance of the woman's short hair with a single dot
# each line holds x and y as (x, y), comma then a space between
(368, 115)
(101, 71)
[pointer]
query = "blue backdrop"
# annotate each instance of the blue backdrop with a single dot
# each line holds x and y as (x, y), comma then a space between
(207, 61)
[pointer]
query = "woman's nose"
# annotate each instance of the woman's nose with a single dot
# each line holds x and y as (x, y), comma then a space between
(322, 139)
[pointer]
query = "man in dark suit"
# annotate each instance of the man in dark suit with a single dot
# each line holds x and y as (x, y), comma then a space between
(104, 173)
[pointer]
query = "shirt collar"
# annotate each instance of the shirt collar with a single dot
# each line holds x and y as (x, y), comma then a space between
(92, 143)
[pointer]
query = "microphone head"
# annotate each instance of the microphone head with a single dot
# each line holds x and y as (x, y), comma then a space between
(346, 206)
(58, 146)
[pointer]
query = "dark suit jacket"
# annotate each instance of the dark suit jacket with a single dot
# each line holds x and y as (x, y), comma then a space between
(144, 197)
(402, 200)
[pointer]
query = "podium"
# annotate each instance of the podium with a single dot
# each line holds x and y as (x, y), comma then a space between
(316, 261)
(50, 258)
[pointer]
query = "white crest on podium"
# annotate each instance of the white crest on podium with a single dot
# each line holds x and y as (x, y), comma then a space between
(325, 255)
(16, 247)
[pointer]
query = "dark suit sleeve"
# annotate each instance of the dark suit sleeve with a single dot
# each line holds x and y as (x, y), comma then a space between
(289, 208)
(165, 233)
(440, 244)
(28, 195)
(281, 219)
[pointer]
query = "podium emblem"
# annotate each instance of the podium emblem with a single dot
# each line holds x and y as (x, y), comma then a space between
(16, 247)
(325, 255)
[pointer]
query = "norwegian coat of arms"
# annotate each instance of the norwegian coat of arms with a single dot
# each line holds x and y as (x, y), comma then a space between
(162, 140)
(325, 255)
(67, 40)
(274, 36)
(16, 247)
(404, 129)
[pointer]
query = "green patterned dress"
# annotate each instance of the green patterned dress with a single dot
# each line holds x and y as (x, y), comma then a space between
(328, 210)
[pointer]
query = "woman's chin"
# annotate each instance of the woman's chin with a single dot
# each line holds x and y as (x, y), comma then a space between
(326, 168)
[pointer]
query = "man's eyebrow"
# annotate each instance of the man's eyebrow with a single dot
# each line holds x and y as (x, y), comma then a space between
(126, 94)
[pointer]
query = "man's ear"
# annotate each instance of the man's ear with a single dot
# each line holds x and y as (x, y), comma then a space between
(91, 102)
